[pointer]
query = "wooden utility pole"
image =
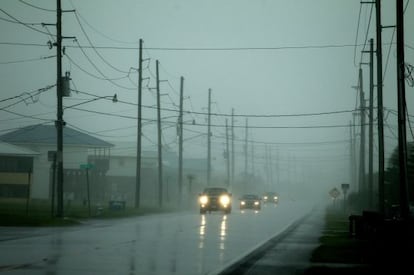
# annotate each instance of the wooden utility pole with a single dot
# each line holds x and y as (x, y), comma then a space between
(160, 183)
(245, 149)
(380, 110)
(180, 143)
(232, 147)
(59, 122)
(139, 130)
(227, 154)
(252, 156)
(362, 144)
(209, 139)
(402, 131)
(371, 126)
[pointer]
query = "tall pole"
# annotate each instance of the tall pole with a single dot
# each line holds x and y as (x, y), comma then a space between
(209, 139)
(352, 153)
(160, 183)
(362, 145)
(380, 111)
(271, 167)
(139, 130)
(232, 146)
(402, 131)
(245, 148)
(227, 153)
(252, 156)
(180, 143)
(59, 121)
(371, 125)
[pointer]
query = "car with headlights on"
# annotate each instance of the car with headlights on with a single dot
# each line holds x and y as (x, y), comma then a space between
(215, 199)
(271, 197)
(250, 201)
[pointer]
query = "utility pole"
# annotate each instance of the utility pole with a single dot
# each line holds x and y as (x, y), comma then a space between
(252, 156)
(232, 146)
(139, 130)
(266, 167)
(351, 150)
(371, 125)
(227, 154)
(59, 122)
(180, 143)
(245, 149)
(362, 145)
(380, 109)
(402, 131)
(277, 170)
(209, 139)
(271, 167)
(160, 183)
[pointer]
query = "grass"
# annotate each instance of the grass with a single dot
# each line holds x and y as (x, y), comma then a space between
(339, 252)
(39, 213)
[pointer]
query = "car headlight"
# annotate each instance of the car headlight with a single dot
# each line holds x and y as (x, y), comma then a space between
(256, 203)
(203, 199)
(224, 199)
(265, 197)
(275, 197)
(242, 203)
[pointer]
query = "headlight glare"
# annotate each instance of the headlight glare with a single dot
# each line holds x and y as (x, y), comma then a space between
(224, 199)
(203, 199)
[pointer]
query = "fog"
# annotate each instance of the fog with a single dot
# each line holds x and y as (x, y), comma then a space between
(287, 68)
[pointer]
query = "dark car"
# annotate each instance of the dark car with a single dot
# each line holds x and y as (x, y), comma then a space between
(271, 197)
(215, 199)
(250, 201)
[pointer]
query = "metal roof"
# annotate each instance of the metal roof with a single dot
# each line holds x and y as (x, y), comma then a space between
(7, 149)
(46, 135)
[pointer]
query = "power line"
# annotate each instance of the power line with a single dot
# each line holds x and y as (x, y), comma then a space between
(22, 23)
(93, 47)
(36, 7)
(27, 60)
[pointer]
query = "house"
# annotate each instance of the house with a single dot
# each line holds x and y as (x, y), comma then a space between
(108, 169)
(39, 141)
(16, 168)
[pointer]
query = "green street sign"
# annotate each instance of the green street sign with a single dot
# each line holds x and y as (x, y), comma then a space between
(86, 166)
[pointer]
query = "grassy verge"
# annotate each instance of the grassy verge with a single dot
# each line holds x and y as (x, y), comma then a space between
(338, 252)
(39, 213)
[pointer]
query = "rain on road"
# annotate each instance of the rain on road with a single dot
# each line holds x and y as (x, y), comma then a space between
(179, 243)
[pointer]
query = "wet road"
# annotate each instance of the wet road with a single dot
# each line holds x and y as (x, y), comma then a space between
(182, 243)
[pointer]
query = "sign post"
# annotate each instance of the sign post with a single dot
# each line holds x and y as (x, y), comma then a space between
(345, 188)
(334, 193)
(86, 167)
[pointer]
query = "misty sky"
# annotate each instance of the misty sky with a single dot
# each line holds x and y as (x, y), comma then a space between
(262, 58)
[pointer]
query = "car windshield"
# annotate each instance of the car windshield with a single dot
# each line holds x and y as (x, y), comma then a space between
(250, 197)
(215, 191)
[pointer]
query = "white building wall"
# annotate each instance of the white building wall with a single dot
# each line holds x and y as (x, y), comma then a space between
(72, 158)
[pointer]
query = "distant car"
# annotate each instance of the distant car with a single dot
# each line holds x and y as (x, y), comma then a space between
(215, 199)
(250, 201)
(271, 197)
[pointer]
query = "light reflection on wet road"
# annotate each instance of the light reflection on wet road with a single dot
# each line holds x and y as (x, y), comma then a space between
(183, 243)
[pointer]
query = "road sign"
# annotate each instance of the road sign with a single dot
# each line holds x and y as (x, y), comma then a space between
(86, 166)
(334, 193)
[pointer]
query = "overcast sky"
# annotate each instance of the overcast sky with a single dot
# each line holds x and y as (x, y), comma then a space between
(262, 58)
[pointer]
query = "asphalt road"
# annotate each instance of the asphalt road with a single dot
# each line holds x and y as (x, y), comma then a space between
(179, 243)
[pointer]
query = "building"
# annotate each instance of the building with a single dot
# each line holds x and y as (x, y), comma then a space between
(39, 143)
